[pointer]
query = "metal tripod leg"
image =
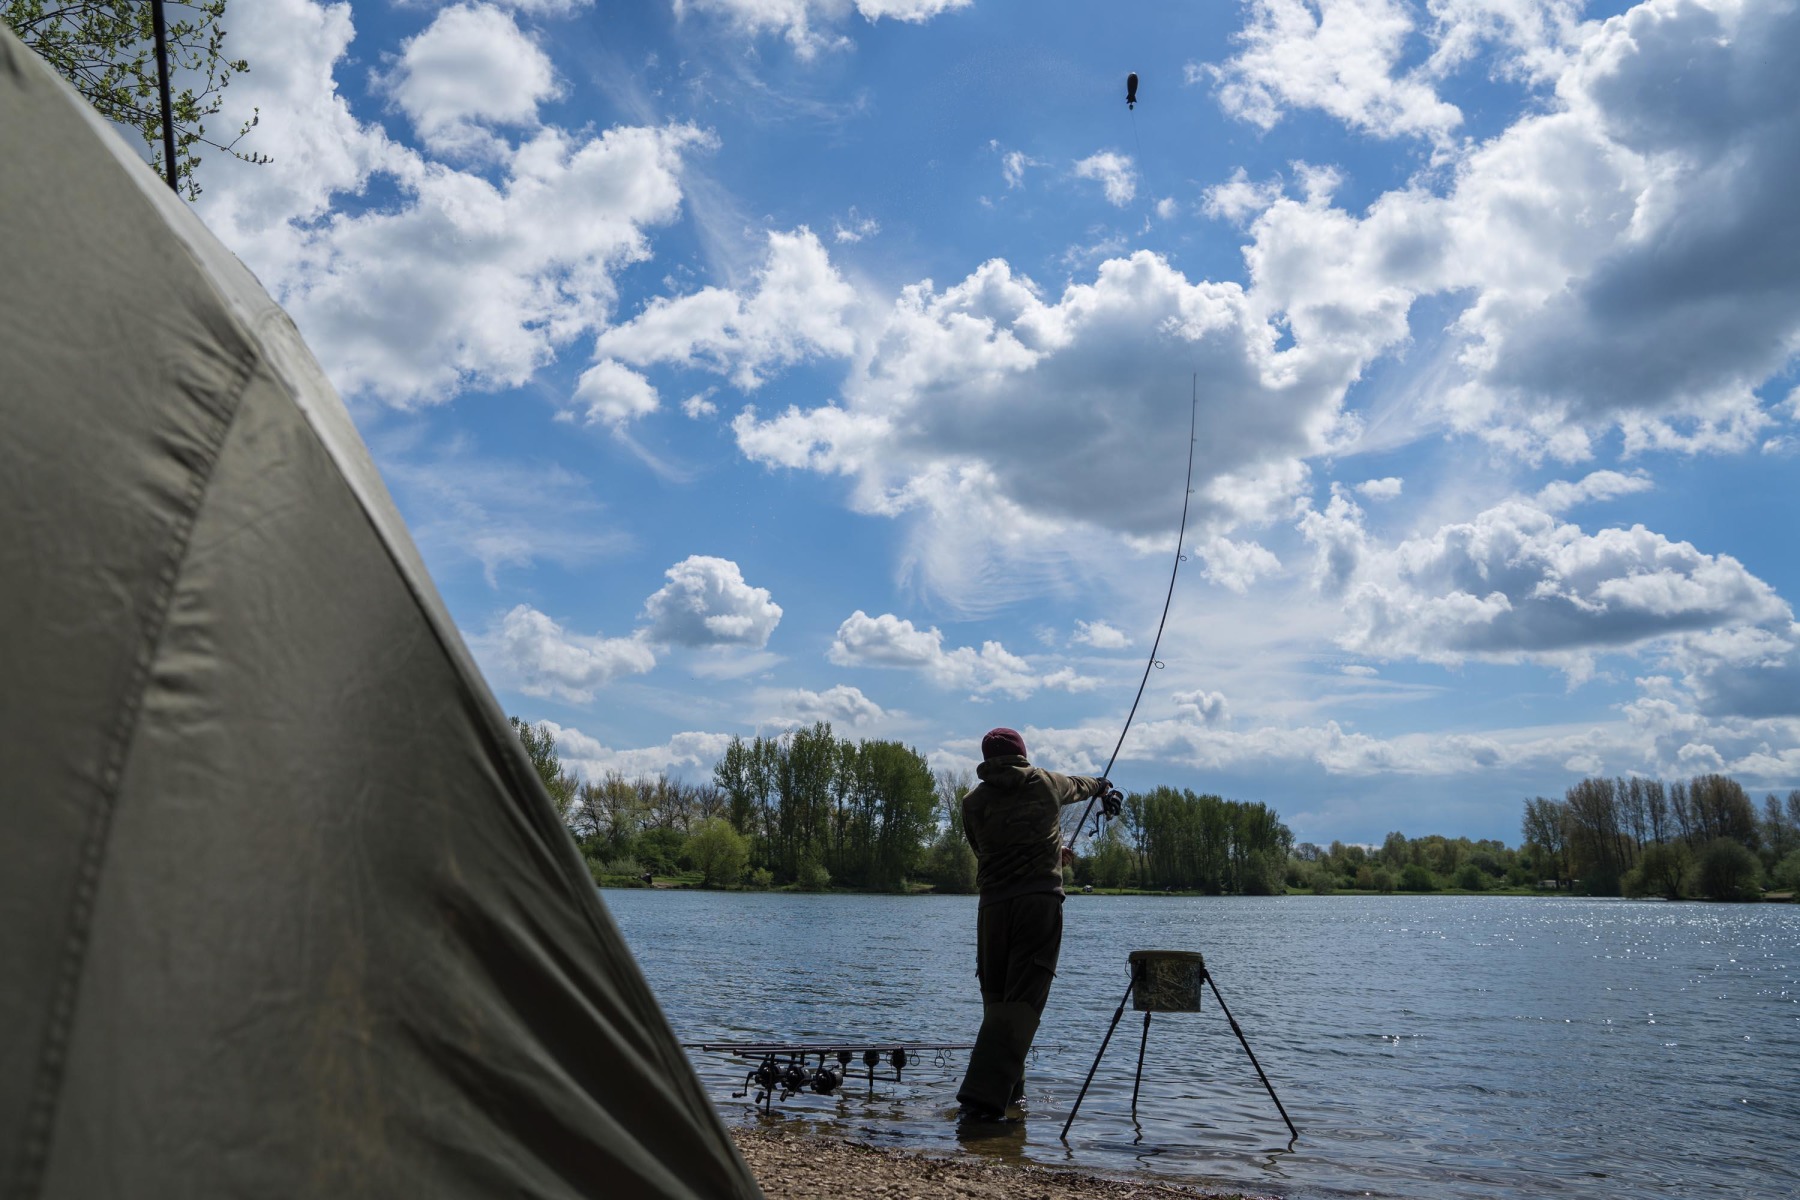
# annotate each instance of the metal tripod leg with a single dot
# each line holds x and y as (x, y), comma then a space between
(1118, 1014)
(1245, 1043)
(1138, 1080)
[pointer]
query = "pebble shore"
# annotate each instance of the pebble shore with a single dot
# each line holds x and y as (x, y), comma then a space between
(803, 1166)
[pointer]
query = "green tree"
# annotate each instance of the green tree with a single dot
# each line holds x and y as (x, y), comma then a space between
(1787, 872)
(1779, 836)
(1415, 878)
(719, 852)
(812, 875)
(951, 863)
(1111, 859)
(661, 849)
(106, 50)
(1544, 831)
(540, 745)
(1261, 873)
(898, 783)
(1727, 870)
(732, 775)
(1664, 869)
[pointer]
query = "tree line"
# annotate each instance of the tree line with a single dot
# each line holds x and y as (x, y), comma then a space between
(812, 810)
(1702, 837)
(1643, 837)
(1410, 864)
(1169, 839)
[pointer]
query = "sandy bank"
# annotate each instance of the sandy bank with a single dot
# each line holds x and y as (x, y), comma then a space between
(801, 1166)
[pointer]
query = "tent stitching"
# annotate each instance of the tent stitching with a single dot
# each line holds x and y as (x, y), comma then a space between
(40, 1119)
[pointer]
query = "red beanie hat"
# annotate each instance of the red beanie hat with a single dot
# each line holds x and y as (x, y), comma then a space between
(1002, 741)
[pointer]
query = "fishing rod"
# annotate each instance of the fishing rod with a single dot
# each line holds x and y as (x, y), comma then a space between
(1154, 662)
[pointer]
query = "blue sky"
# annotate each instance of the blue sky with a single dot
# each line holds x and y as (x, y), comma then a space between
(741, 363)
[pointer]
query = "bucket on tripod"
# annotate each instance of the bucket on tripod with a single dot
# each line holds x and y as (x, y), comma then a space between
(1167, 980)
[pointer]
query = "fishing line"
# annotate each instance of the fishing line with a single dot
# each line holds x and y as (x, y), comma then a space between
(1139, 143)
(1155, 663)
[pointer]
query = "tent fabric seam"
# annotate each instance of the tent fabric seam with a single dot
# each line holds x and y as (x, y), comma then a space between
(40, 1118)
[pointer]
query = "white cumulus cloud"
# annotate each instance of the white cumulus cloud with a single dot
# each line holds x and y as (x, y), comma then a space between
(464, 278)
(547, 660)
(1517, 582)
(929, 421)
(1100, 636)
(1339, 56)
(590, 759)
(1624, 249)
(1564, 494)
(839, 705)
(889, 641)
(809, 26)
(707, 603)
(1207, 708)
(470, 68)
(1387, 488)
(1237, 565)
(612, 393)
(1115, 174)
(796, 309)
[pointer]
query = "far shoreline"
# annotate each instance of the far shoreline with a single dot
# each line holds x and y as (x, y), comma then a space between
(677, 884)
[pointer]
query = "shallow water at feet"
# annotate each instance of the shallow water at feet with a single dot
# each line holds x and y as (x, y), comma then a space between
(1425, 1046)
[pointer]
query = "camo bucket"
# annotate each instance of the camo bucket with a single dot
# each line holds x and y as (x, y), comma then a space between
(1167, 980)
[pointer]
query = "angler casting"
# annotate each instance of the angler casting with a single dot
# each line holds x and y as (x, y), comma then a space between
(1012, 818)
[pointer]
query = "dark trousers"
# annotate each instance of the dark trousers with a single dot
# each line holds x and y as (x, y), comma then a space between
(1016, 944)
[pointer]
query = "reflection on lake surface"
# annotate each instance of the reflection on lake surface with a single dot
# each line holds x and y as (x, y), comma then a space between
(1425, 1046)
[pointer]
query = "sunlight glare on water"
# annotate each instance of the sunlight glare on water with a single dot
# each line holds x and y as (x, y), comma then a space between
(1425, 1046)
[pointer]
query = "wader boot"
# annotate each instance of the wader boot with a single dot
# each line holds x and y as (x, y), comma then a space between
(1017, 942)
(996, 1071)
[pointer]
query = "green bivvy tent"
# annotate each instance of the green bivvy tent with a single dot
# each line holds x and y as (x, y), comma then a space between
(284, 909)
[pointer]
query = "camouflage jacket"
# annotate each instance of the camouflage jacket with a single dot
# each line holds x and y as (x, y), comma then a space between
(1013, 820)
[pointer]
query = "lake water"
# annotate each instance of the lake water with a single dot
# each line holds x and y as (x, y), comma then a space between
(1425, 1046)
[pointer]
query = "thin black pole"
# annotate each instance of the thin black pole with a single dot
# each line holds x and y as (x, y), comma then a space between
(1137, 1080)
(162, 81)
(1246, 1044)
(1118, 1015)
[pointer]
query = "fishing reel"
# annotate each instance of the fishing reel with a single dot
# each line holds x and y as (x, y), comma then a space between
(786, 1069)
(1112, 803)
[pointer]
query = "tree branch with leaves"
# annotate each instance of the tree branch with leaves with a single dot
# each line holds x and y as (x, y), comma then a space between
(106, 50)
